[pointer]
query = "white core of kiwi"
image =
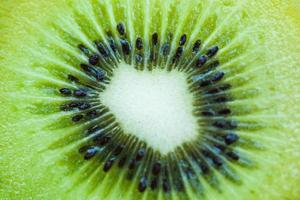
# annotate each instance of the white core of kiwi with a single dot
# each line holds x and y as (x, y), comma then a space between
(155, 106)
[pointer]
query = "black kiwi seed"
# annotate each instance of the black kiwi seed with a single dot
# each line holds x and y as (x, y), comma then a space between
(204, 168)
(178, 54)
(220, 147)
(79, 93)
(196, 46)
(213, 90)
(121, 28)
(140, 154)
(112, 45)
(138, 58)
(72, 78)
(213, 65)
(182, 40)
(217, 161)
(225, 111)
(218, 76)
(77, 118)
(90, 153)
(232, 155)
(84, 49)
(142, 184)
(97, 73)
(102, 49)
(92, 114)
(84, 106)
(154, 38)
(108, 164)
(86, 68)
(156, 168)
(94, 59)
(201, 61)
(165, 49)
(212, 51)
(139, 43)
(205, 83)
(65, 91)
(218, 89)
(125, 47)
(223, 124)
(231, 138)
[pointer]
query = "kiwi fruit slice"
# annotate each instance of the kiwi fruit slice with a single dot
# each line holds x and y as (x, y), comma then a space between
(149, 99)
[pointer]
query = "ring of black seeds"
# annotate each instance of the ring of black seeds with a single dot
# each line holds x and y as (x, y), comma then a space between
(167, 172)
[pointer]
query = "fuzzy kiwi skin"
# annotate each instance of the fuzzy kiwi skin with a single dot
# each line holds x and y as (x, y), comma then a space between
(24, 170)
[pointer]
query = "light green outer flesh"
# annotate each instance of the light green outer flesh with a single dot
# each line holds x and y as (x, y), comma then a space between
(27, 172)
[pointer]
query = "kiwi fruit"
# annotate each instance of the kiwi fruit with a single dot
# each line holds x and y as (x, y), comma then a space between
(113, 99)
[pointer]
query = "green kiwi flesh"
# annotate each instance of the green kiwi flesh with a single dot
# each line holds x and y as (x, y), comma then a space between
(71, 70)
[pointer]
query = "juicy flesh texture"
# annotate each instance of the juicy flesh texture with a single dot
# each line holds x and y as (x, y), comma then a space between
(38, 40)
